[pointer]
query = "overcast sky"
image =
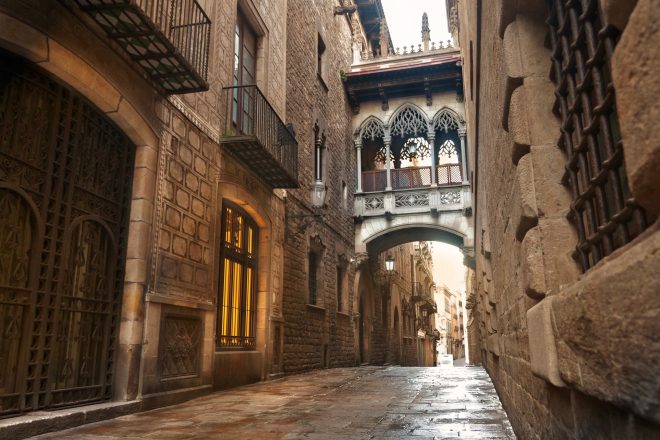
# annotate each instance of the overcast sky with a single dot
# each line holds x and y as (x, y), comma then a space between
(448, 268)
(404, 18)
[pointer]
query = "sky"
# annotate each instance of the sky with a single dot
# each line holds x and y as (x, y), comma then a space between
(404, 18)
(448, 268)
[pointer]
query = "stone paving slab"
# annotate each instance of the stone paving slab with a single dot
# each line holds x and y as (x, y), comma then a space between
(361, 403)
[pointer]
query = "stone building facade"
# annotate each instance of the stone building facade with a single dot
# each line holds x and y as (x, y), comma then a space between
(391, 309)
(161, 335)
(319, 301)
(561, 107)
(181, 213)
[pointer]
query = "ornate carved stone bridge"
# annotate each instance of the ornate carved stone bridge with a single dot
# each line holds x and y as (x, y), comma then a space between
(387, 218)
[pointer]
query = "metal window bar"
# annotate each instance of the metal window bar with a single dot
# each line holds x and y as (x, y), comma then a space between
(604, 213)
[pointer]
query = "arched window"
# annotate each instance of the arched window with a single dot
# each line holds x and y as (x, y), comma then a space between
(237, 305)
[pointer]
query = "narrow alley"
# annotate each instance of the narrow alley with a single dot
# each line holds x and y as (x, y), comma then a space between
(342, 403)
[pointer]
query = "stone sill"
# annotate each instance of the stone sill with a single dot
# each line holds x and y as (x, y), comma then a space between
(315, 308)
(41, 422)
(344, 315)
(322, 81)
(180, 302)
(618, 298)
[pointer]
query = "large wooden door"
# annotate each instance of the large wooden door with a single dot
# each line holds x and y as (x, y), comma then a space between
(65, 179)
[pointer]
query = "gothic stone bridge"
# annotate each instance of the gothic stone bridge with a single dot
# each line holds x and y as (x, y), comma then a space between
(435, 213)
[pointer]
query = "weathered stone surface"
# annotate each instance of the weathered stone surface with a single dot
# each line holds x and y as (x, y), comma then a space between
(600, 327)
(601, 313)
(532, 265)
(525, 214)
(542, 348)
(524, 50)
(635, 68)
(531, 121)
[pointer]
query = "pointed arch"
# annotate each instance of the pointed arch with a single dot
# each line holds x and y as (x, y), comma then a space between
(447, 119)
(371, 128)
(408, 119)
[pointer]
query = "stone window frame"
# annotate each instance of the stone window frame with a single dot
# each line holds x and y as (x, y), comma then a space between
(245, 260)
(317, 249)
(321, 57)
(247, 9)
(320, 166)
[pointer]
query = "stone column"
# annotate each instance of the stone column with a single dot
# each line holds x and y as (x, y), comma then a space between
(387, 139)
(431, 140)
(358, 161)
(462, 132)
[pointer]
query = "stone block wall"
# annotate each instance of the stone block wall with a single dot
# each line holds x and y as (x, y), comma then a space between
(556, 343)
(318, 336)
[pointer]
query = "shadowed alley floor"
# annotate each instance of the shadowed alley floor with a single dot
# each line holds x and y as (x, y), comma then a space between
(343, 403)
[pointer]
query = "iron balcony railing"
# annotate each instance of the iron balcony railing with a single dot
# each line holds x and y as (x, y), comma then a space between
(411, 177)
(256, 135)
(169, 39)
(418, 292)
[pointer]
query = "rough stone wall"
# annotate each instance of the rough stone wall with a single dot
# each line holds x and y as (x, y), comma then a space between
(550, 338)
(318, 336)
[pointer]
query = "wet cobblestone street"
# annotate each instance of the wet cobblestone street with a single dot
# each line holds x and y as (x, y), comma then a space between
(346, 403)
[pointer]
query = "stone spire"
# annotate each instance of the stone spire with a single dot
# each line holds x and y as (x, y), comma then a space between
(426, 31)
(384, 38)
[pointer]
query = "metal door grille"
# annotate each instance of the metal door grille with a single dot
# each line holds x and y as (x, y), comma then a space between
(65, 179)
(603, 211)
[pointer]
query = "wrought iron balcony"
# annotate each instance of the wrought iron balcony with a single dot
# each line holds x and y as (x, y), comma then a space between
(257, 136)
(169, 39)
(417, 294)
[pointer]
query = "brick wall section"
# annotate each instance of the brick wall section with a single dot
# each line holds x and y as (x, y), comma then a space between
(523, 243)
(309, 330)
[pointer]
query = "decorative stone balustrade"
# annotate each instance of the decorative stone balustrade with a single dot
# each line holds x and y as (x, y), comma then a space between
(419, 200)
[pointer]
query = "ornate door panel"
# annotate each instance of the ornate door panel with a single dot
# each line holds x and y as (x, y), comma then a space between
(65, 178)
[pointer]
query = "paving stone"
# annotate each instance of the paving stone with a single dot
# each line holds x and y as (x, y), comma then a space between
(364, 403)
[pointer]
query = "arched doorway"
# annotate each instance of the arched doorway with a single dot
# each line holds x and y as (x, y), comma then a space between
(65, 181)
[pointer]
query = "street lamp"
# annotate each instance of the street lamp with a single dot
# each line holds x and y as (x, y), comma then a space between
(389, 264)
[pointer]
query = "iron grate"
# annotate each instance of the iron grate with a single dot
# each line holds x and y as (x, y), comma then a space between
(603, 210)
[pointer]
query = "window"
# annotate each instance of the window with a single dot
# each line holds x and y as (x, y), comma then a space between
(320, 52)
(344, 195)
(604, 213)
(312, 281)
(340, 289)
(237, 305)
(245, 56)
(319, 154)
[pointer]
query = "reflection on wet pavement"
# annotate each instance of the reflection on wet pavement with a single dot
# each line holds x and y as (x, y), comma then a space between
(343, 403)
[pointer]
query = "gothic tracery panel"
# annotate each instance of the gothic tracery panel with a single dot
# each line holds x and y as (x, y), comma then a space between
(180, 346)
(16, 238)
(409, 122)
